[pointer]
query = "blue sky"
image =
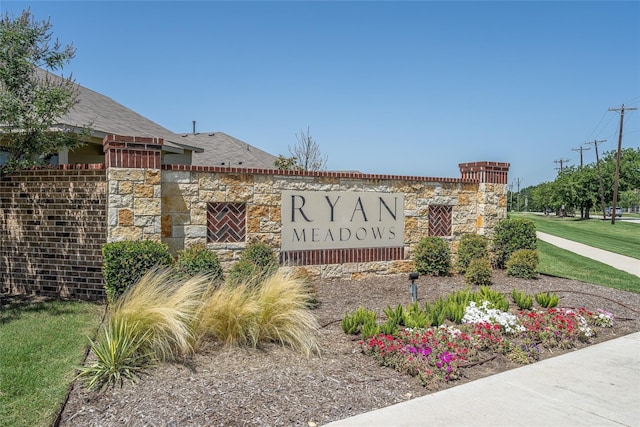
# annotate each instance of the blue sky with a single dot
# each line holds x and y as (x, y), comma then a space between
(409, 88)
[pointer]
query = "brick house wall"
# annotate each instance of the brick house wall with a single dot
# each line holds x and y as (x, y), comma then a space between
(52, 228)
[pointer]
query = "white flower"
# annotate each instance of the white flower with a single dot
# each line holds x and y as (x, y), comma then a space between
(483, 314)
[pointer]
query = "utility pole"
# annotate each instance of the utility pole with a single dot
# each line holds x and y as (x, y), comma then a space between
(562, 162)
(581, 149)
(615, 184)
(595, 143)
(511, 191)
(518, 181)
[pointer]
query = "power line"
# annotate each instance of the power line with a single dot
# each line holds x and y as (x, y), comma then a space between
(581, 149)
(615, 185)
(595, 143)
(562, 162)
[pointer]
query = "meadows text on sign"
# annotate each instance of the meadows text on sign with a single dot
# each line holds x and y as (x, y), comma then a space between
(341, 219)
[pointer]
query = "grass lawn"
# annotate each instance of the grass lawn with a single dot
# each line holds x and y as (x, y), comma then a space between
(559, 262)
(41, 344)
(622, 238)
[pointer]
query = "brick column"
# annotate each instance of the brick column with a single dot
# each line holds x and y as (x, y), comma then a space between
(132, 151)
(492, 192)
(134, 187)
(489, 172)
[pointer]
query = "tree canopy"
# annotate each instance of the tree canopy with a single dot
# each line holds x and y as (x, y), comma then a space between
(31, 99)
(578, 188)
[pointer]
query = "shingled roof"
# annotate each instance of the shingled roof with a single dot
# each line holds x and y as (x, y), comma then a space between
(220, 149)
(105, 116)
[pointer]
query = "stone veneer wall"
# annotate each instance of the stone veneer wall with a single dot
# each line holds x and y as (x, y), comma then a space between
(186, 191)
(52, 229)
(229, 208)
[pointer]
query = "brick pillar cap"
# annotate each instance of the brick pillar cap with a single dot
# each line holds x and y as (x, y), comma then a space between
(132, 139)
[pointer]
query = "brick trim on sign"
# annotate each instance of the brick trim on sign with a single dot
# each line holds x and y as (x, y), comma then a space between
(321, 174)
(340, 256)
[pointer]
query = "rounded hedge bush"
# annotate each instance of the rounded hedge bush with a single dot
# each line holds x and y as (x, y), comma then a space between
(471, 246)
(433, 257)
(478, 272)
(126, 261)
(523, 263)
(510, 235)
(257, 262)
(197, 259)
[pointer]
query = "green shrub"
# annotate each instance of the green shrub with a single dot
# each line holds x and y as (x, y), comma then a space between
(395, 316)
(437, 311)
(523, 263)
(358, 321)
(478, 272)
(471, 246)
(415, 317)
(257, 262)
(261, 255)
(496, 299)
(522, 300)
(510, 235)
(547, 300)
(433, 257)
(197, 259)
(125, 262)
(117, 349)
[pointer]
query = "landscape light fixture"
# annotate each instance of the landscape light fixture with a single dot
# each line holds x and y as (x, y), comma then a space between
(413, 287)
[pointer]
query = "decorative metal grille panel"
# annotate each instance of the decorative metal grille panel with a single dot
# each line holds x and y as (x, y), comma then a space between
(440, 220)
(226, 222)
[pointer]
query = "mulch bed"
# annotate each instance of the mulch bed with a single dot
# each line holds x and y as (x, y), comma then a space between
(273, 386)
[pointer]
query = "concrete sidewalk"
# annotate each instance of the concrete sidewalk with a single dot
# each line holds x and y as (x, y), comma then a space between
(596, 386)
(620, 262)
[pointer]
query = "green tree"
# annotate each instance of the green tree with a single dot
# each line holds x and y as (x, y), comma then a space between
(285, 163)
(31, 99)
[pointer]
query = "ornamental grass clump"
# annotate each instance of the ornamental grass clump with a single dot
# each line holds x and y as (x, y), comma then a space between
(229, 315)
(162, 306)
(283, 315)
(272, 310)
(151, 322)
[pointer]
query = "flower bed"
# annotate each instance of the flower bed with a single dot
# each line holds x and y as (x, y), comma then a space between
(440, 354)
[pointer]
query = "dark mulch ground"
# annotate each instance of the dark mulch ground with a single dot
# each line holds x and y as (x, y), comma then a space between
(272, 386)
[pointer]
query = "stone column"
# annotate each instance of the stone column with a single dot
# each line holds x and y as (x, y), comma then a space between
(492, 192)
(134, 187)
